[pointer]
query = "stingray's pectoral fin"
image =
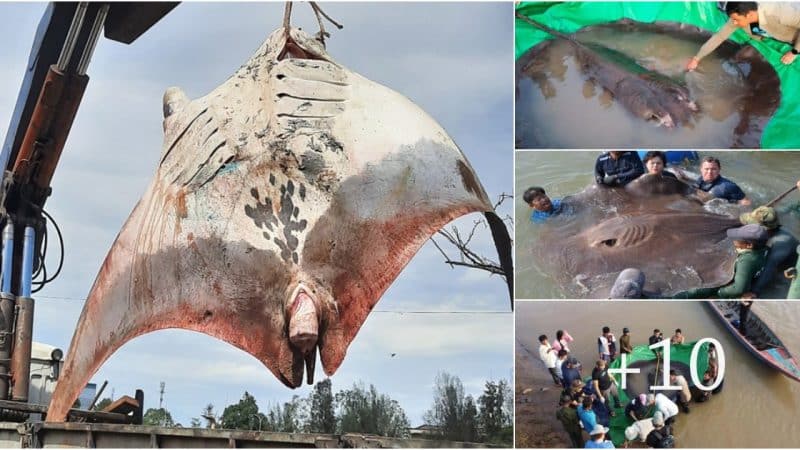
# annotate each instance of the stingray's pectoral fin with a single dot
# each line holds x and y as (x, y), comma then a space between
(373, 244)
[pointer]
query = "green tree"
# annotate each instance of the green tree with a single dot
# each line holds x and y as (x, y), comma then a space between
(452, 412)
(495, 417)
(322, 413)
(195, 423)
(364, 410)
(158, 417)
(101, 405)
(241, 416)
(287, 418)
(469, 426)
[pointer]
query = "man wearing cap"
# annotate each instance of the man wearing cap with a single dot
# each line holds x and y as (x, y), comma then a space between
(570, 372)
(636, 409)
(575, 392)
(625, 341)
(780, 245)
(748, 241)
(712, 182)
(616, 169)
(639, 430)
(598, 438)
(661, 436)
(568, 416)
(664, 405)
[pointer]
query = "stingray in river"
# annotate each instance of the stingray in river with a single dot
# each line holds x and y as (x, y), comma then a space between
(655, 224)
(735, 98)
(647, 94)
(286, 202)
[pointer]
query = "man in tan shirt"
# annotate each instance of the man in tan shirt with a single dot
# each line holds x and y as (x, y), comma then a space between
(780, 21)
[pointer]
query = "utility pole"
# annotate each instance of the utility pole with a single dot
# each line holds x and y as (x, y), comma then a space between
(160, 405)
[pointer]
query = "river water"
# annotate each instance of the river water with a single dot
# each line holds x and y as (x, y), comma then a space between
(736, 91)
(758, 405)
(762, 175)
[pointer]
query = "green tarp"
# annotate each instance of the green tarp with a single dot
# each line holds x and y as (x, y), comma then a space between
(679, 353)
(780, 132)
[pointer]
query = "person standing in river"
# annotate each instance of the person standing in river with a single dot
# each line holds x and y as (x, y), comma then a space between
(781, 245)
(617, 168)
(778, 20)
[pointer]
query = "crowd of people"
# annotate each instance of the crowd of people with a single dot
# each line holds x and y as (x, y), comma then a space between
(587, 404)
(763, 247)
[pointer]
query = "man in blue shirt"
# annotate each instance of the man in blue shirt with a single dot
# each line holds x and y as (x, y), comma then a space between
(543, 207)
(570, 372)
(586, 415)
(616, 169)
(715, 184)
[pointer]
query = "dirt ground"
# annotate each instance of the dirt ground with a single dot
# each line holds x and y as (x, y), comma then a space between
(536, 401)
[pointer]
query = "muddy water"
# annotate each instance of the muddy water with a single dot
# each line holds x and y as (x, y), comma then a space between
(757, 407)
(762, 175)
(737, 93)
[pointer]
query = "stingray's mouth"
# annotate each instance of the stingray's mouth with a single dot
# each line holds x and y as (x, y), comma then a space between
(292, 49)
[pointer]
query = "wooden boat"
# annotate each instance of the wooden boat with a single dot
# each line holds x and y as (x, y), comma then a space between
(760, 340)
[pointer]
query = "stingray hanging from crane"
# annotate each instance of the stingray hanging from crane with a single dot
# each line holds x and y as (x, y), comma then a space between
(286, 202)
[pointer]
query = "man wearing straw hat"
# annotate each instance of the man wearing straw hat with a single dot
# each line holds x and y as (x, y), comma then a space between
(598, 438)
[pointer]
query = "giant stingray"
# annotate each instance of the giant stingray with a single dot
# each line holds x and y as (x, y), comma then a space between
(759, 94)
(656, 224)
(647, 94)
(286, 202)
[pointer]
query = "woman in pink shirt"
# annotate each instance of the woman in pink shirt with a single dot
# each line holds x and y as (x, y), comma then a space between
(562, 339)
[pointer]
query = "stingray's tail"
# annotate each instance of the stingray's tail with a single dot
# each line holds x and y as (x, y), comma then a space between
(548, 30)
(502, 241)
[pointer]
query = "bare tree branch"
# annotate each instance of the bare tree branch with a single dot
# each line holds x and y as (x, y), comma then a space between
(463, 255)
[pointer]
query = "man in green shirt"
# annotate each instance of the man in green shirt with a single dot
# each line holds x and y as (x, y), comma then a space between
(778, 20)
(625, 341)
(568, 416)
(751, 256)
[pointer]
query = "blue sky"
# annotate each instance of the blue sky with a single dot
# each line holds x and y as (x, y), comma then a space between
(455, 60)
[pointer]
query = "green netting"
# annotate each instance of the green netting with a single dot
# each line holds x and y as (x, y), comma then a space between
(680, 353)
(780, 132)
